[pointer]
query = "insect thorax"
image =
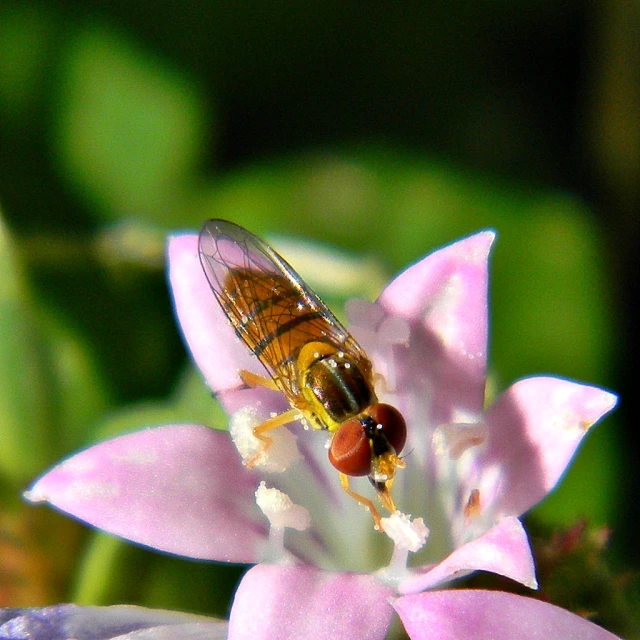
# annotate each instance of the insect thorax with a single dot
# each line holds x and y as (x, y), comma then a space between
(333, 384)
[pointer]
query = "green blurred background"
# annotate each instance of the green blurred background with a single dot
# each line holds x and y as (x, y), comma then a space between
(380, 132)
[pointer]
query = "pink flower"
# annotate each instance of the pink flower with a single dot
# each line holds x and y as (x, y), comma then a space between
(469, 474)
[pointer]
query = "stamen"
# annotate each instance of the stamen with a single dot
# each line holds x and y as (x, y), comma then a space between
(281, 511)
(408, 536)
(279, 456)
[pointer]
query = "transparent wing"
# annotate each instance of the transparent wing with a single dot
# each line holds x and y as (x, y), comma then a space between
(270, 307)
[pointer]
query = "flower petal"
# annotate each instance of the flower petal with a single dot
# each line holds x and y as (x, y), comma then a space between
(276, 602)
(535, 428)
(445, 294)
(102, 623)
(167, 488)
(490, 615)
(216, 349)
(504, 550)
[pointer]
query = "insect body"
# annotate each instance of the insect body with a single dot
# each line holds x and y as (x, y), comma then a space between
(310, 357)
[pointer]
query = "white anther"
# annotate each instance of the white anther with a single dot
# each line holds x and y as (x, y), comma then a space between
(281, 510)
(281, 453)
(406, 533)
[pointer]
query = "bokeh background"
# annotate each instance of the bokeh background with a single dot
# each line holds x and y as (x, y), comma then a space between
(376, 133)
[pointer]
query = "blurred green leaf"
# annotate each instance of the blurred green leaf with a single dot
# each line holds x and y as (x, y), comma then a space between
(191, 403)
(52, 388)
(134, 417)
(78, 388)
(552, 306)
(25, 394)
(129, 130)
(198, 587)
(25, 33)
(113, 570)
(104, 567)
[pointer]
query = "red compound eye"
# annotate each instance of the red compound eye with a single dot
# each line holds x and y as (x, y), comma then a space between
(393, 425)
(350, 452)
(380, 431)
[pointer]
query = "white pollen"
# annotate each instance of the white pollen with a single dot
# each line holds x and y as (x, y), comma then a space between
(281, 452)
(281, 510)
(405, 533)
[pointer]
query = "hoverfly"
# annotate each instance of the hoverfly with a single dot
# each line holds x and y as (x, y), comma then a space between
(309, 356)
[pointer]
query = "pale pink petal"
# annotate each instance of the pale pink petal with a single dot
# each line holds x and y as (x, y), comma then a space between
(490, 615)
(216, 349)
(444, 297)
(180, 489)
(504, 550)
(535, 428)
(276, 602)
(121, 622)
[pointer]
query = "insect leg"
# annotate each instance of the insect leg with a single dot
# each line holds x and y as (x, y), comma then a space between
(276, 421)
(272, 423)
(252, 380)
(344, 481)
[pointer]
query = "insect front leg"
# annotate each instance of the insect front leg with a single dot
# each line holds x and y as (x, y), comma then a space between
(260, 432)
(344, 482)
(253, 380)
(273, 423)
